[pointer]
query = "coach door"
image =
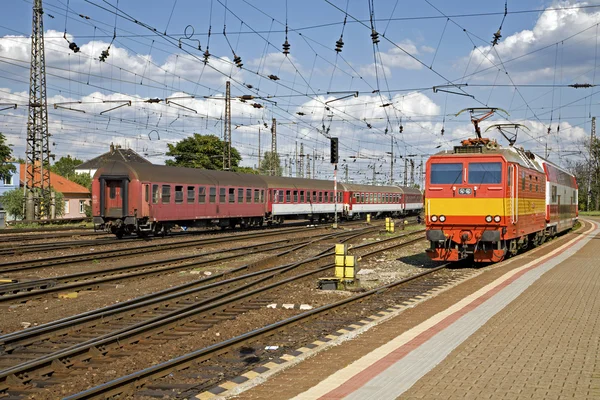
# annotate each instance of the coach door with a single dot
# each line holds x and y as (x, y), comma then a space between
(113, 201)
(146, 201)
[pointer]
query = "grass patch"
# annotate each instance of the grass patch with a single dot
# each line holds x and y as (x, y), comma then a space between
(589, 213)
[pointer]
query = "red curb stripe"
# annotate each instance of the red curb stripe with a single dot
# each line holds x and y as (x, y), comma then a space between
(363, 377)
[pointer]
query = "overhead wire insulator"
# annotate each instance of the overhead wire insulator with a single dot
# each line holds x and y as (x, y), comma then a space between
(257, 105)
(237, 60)
(339, 45)
(104, 55)
(497, 37)
(286, 47)
(374, 36)
(73, 46)
(273, 77)
(206, 56)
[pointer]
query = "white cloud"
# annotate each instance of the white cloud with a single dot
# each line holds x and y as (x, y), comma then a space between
(559, 22)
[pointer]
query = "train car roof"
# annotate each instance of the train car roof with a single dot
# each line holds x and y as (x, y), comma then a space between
(297, 183)
(167, 174)
(353, 187)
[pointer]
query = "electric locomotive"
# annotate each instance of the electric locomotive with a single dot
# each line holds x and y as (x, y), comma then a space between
(486, 201)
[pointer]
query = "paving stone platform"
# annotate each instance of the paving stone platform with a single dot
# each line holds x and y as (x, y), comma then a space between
(530, 329)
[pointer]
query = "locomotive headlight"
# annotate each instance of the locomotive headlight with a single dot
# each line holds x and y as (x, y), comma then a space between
(488, 219)
(497, 218)
(442, 218)
(434, 218)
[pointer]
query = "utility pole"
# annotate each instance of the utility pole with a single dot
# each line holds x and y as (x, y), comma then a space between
(308, 166)
(346, 170)
(392, 161)
(227, 130)
(273, 146)
(373, 182)
(285, 167)
(590, 163)
(422, 177)
(37, 180)
(259, 148)
(412, 172)
(405, 171)
(314, 168)
(301, 160)
(296, 160)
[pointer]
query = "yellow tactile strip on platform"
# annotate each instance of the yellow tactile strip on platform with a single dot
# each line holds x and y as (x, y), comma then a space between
(260, 373)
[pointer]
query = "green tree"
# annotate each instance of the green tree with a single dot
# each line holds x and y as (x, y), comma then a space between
(66, 166)
(84, 180)
(246, 170)
(6, 168)
(201, 151)
(13, 202)
(270, 162)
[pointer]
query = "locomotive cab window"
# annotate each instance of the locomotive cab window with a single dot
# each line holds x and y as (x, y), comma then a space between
(191, 194)
(447, 173)
(154, 194)
(166, 194)
(482, 173)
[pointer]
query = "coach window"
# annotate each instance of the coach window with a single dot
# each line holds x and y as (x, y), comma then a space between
(256, 196)
(212, 194)
(262, 195)
(362, 198)
(222, 195)
(288, 196)
(554, 194)
(248, 195)
(178, 194)
(340, 199)
(154, 194)
(201, 194)
(191, 194)
(450, 173)
(166, 194)
(280, 196)
(231, 195)
(320, 199)
(240, 196)
(112, 192)
(295, 196)
(302, 196)
(146, 194)
(314, 196)
(326, 197)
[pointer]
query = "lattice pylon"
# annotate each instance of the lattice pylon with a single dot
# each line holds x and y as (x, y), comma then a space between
(38, 139)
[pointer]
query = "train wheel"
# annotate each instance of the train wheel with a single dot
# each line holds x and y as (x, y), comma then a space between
(119, 234)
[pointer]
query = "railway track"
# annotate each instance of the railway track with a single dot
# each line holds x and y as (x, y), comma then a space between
(18, 266)
(194, 313)
(26, 290)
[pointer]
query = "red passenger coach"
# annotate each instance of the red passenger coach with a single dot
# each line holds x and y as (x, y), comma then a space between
(141, 198)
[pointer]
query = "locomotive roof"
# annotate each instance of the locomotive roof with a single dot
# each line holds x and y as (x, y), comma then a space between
(168, 174)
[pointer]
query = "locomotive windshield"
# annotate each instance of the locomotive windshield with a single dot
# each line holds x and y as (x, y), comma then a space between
(446, 173)
(481, 173)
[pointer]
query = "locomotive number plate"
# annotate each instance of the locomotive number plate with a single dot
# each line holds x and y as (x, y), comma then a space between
(464, 191)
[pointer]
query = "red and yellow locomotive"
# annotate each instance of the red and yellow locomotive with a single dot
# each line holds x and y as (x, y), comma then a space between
(486, 201)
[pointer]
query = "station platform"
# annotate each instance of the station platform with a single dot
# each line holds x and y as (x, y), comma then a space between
(529, 328)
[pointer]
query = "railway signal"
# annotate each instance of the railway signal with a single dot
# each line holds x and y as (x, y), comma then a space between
(334, 150)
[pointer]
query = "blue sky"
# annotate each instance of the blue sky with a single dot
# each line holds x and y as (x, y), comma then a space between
(427, 44)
